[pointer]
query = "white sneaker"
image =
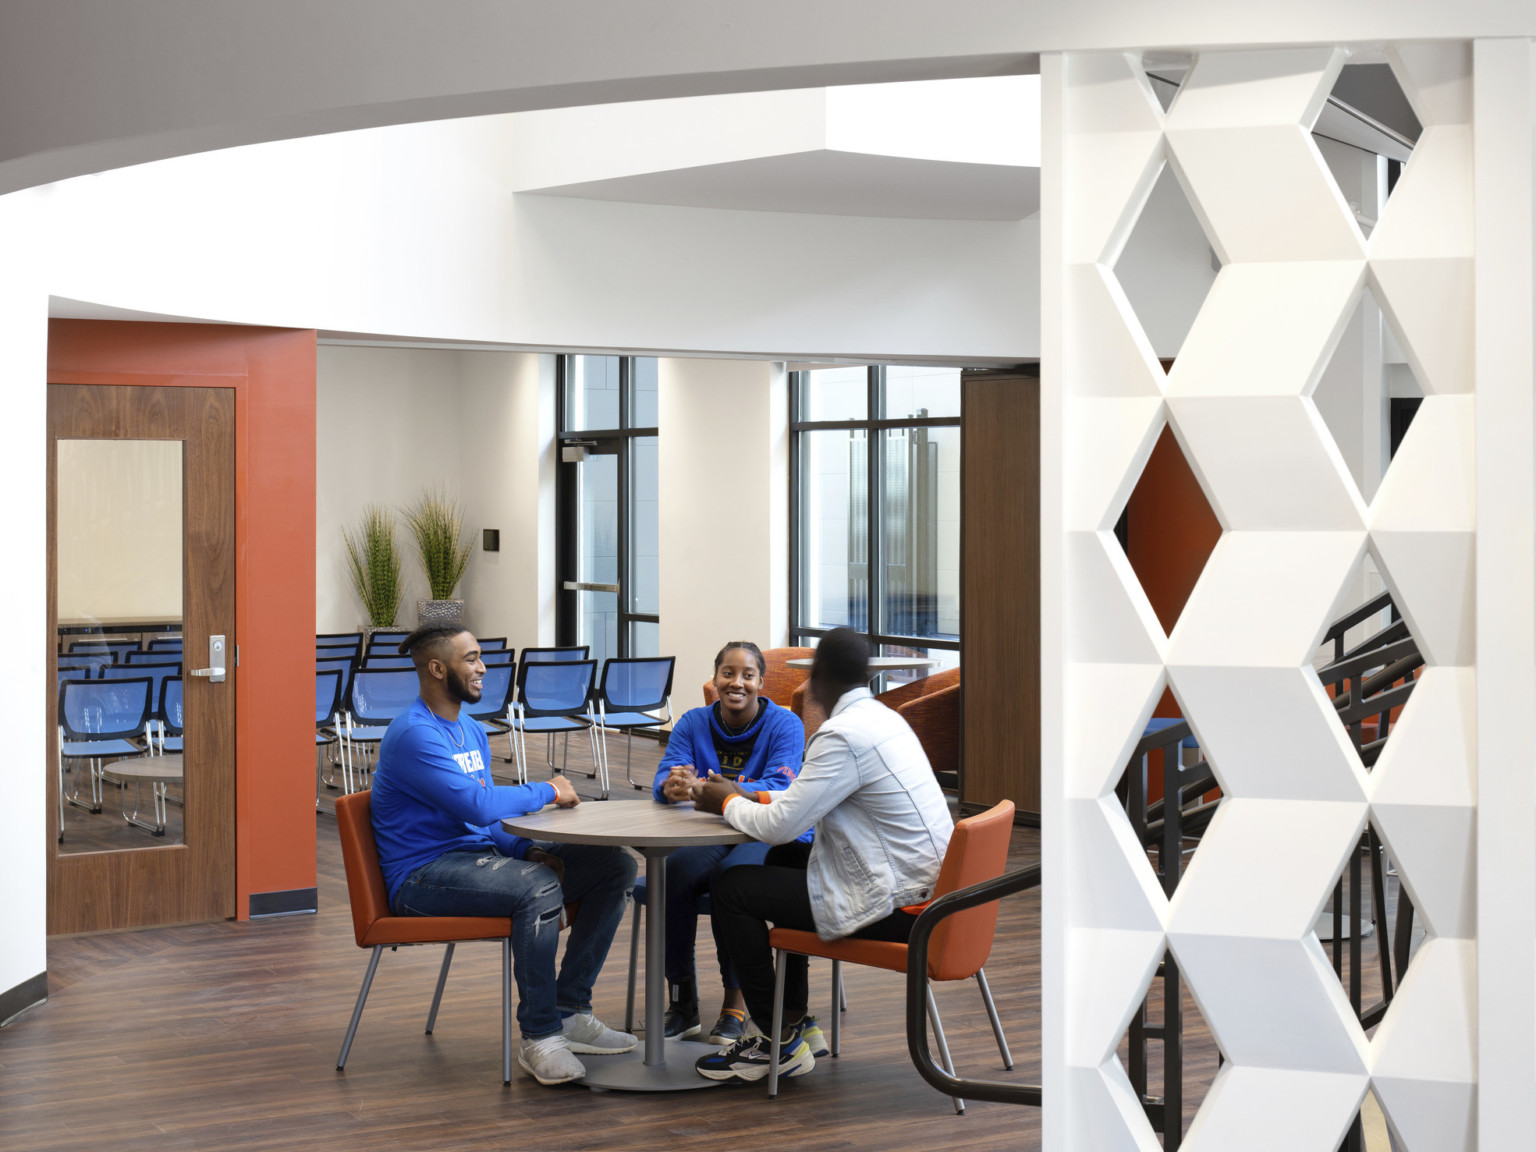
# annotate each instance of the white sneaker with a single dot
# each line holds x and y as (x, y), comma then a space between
(586, 1033)
(549, 1061)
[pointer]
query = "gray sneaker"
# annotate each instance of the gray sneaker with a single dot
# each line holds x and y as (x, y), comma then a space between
(586, 1033)
(549, 1060)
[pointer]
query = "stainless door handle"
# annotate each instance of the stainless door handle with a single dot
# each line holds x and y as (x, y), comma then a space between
(215, 670)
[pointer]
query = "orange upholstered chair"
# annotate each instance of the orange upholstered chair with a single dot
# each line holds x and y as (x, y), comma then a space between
(779, 681)
(978, 851)
(935, 718)
(377, 928)
(916, 689)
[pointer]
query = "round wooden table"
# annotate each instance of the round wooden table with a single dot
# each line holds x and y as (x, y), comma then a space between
(657, 830)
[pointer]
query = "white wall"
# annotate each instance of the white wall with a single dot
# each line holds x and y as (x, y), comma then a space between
(394, 422)
(723, 481)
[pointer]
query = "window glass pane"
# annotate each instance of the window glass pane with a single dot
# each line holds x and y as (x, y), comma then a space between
(644, 540)
(920, 532)
(644, 638)
(835, 394)
(598, 559)
(642, 399)
(834, 536)
(599, 617)
(591, 392)
(118, 579)
(920, 392)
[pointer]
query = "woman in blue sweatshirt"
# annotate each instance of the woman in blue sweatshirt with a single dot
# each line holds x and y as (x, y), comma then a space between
(757, 745)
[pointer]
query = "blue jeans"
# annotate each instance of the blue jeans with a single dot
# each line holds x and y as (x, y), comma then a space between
(483, 882)
(691, 873)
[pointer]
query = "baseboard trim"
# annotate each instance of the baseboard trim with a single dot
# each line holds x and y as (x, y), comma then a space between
(289, 902)
(27, 994)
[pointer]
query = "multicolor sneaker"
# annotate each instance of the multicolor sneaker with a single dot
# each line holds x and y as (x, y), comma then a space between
(815, 1037)
(749, 1059)
(731, 1027)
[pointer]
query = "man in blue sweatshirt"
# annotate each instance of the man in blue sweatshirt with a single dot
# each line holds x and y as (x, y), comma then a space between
(751, 741)
(436, 818)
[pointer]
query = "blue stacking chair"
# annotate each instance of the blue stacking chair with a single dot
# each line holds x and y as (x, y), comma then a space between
(554, 697)
(630, 694)
(95, 658)
(154, 656)
(498, 657)
(166, 644)
(494, 703)
(343, 667)
(385, 643)
(99, 719)
(338, 639)
(492, 643)
(328, 727)
(77, 672)
(118, 648)
(550, 656)
(157, 673)
(377, 660)
(377, 697)
(169, 715)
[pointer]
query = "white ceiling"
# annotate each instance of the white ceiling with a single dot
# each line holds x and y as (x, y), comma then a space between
(831, 183)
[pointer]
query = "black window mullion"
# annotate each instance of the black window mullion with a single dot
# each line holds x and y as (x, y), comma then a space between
(796, 517)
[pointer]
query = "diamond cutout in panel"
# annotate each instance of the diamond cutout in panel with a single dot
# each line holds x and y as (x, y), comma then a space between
(1366, 132)
(1369, 661)
(1170, 1055)
(1165, 72)
(1368, 395)
(1167, 266)
(1371, 937)
(1168, 529)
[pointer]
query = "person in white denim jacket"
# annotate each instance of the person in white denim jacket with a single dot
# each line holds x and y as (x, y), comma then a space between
(882, 827)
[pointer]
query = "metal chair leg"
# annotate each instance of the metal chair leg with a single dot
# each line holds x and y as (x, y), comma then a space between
(506, 1012)
(437, 996)
(938, 1035)
(357, 1012)
(634, 960)
(842, 993)
(838, 1004)
(997, 1025)
(780, 962)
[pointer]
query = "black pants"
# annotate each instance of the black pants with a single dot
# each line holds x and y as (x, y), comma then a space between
(747, 899)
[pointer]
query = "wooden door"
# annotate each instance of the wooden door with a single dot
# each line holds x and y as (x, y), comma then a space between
(154, 882)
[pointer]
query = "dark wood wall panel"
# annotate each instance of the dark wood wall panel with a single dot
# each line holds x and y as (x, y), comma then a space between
(1000, 589)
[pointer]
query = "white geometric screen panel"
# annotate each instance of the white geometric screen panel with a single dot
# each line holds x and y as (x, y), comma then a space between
(1303, 800)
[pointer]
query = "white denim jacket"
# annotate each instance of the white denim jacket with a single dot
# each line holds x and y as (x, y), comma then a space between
(882, 825)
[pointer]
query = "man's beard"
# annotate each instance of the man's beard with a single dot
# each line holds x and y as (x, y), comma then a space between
(459, 688)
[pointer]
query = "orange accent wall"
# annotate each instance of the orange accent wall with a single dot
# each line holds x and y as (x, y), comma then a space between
(273, 373)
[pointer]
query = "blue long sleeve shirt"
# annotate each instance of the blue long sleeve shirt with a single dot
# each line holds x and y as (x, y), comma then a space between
(768, 760)
(433, 793)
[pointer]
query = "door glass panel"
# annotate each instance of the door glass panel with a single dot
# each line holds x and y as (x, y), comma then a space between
(643, 393)
(119, 530)
(920, 541)
(834, 499)
(644, 638)
(600, 624)
(645, 536)
(591, 392)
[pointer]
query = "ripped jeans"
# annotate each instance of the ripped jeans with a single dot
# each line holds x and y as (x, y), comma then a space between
(482, 882)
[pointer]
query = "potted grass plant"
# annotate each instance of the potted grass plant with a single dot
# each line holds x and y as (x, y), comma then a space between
(437, 523)
(373, 562)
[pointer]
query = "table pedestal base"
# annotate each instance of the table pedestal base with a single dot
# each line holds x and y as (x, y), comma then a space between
(630, 1073)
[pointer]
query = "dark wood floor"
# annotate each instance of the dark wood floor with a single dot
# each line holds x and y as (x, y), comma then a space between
(225, 1036)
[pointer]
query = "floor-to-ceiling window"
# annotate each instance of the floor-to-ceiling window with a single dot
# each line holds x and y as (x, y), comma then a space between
(608, 548)
(875, 508)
